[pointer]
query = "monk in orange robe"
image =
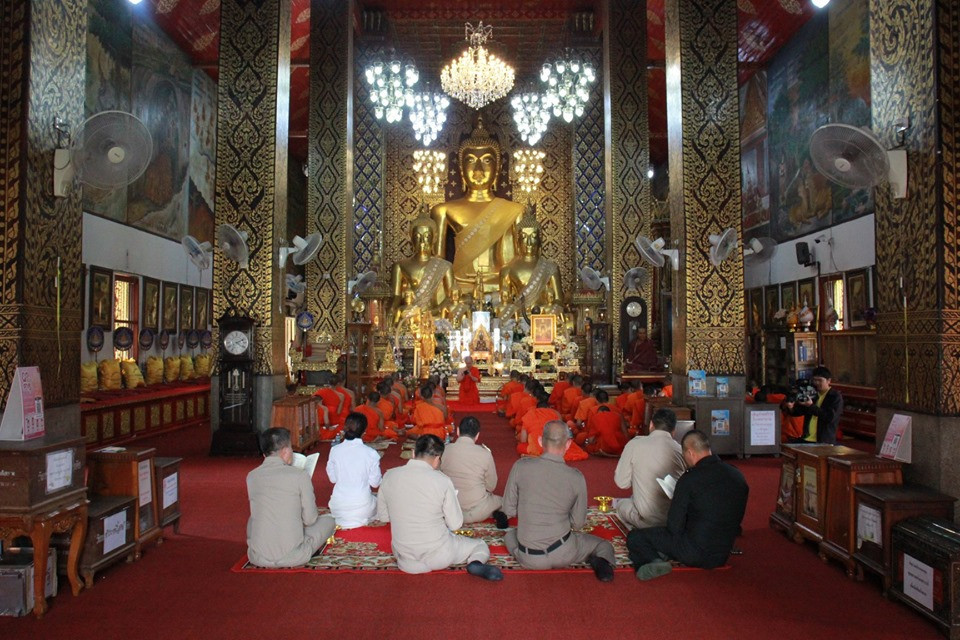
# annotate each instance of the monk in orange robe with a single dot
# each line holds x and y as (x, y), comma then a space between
(376, 423)
(427, 418)
(667, 390)
(556, 394)
(637, 414)
(580, 416)
(386, 408)
(531, 426)
(514, 399)
(526, 401)
(335, 403)
(350, 397)
(571, 398)
(503, 396)
(468, 377)
(605, 433)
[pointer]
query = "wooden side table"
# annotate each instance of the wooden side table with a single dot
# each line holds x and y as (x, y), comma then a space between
(129, 471)
(68, 513)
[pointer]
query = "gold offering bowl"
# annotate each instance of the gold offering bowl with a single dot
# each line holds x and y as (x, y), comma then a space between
(333, 538)
(470, 533)
(605, 503)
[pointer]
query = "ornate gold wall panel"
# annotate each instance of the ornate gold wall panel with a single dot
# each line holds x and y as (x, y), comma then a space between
(252, 113)
(921, 363)
(368, 157)
(330, 181)
(701, 40)
(628, 188)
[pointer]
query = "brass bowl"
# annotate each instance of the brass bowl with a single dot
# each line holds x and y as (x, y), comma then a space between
(605, 503)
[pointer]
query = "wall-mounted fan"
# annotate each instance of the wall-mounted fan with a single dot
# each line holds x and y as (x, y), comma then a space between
(110, 149)
(295, 284)
(722, 245)
(758, 250)
(854, 157)
(233, 242)
(593, 280)
(362, 282)
(653, 252)
(198, 252)
(303, 250)
(296, 289)
(636, 279)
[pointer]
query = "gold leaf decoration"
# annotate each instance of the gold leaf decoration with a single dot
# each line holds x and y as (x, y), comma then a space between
(203, 41)
(209, 7)
(166, 6)
(791, 6)
(746, 6)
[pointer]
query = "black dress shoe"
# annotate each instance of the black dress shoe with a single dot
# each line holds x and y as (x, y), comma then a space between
(485, 571)
(602, 568)
(501, 519)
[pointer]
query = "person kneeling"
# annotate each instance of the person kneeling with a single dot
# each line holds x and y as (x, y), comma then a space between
(470, 466)
(421, 506)
(353, 468)
(284, 529)
(550, 502)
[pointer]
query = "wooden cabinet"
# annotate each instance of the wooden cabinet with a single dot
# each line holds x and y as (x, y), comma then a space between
(167, 491)
(599, 367)
(110, 537)
(878, 509)
(39, 472)
(298, 415)
(859, 410)
(789, 357)
(845, 473)
(118, 471)
(359, 351)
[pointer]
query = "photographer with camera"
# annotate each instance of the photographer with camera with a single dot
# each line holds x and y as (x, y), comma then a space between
(821, 413)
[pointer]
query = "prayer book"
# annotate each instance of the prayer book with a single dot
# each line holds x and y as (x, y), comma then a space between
(668, 483)
(307, 463)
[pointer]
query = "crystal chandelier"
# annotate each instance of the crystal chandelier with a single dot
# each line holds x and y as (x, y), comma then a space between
(477, 77)
(427, 115)
(526, 171)
(431, 169)
(391, 88)
(531, 115)
(568, 81)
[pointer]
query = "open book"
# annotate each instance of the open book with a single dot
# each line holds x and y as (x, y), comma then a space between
(668, 483)
(307, 463)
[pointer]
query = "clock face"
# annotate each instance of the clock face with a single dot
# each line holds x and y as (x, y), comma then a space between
(236, 343)
(634, 309)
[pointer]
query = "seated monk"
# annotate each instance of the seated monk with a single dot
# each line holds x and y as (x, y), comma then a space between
(349, 396)
(400, 409)
(376, 424)
(556, 394)
(335, 403)
(436, 400)
(571, 398)
(527, 401)
(514, 400)
(387, 409)
(401, 390)
(532, 430)
(439, 393)
(641, 355)
(667, 391)
(603, 400)
(605, 433)
(580, 415)
(427, 418)
(637, 413)
(626, 390)
(503, 395)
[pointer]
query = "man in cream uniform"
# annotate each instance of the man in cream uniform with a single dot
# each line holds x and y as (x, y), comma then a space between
(421, 506)
(644, 459)
(284, 529)
(470, 466)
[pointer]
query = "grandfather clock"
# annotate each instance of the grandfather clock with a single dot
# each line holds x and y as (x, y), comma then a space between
(236, 434)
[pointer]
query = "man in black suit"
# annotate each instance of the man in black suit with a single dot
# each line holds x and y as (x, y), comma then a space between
(704, 518)
(821, 416)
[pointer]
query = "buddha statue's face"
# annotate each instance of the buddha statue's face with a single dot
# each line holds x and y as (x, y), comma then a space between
(529, 241)
(422, 236)
(479, 167)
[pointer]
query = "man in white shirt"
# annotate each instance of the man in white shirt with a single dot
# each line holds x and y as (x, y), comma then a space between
(353, 468)
(474, 474)
(644, 459)
(421, 506)
(284, 529)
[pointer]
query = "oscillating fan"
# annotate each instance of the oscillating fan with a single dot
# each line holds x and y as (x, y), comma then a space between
(722, 245)
(111, 149)
(303, 250)
(233, 242)
(295, 284)
(653, 252)
(198, 252)
(361, 283)
(296, 288)
(854, 157)
(593, 280)
(636, 279)
(759, 250)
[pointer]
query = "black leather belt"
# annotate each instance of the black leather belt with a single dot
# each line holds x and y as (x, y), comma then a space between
(543, 552)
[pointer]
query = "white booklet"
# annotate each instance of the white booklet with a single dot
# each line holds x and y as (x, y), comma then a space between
(307, 463)
(668, 483)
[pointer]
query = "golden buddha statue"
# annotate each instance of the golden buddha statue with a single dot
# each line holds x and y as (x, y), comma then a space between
(456, 307)
(427, 277)
(528, 276)
(548, 305)
(483, 224)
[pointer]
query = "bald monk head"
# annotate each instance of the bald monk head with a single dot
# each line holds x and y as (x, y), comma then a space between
(555, 438)
(428, 448)
(426, 391)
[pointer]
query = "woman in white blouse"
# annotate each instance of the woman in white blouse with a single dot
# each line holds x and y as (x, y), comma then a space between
(353, 468)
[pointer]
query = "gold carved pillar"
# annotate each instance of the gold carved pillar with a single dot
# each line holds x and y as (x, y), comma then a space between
(330, 181)
(42, 71)
(627, 147)
(703, 131)
(253, 106)
(915, 76)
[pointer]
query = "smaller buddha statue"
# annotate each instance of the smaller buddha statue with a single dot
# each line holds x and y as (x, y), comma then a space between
(429, 277)
(524, 280)
(401, 312)
(456, 307)
(549, 305)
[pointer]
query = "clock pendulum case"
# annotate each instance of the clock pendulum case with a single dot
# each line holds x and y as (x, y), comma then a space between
(236, 433)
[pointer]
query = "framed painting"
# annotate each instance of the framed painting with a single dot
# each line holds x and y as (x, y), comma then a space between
(151, 304)
(805, 293)
(202, 303)
(857, 299)
(788, 296)
(186, 308)
(755, 310)
(771, 298)
(169, 298)
(543, 328)
(101, 298)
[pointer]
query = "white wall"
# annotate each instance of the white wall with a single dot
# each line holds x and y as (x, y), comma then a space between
(853, 247)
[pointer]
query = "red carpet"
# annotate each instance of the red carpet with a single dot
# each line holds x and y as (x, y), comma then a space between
(472, 408)
(184, 588)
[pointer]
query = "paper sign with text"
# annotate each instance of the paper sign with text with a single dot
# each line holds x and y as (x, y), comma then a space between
(23, 415)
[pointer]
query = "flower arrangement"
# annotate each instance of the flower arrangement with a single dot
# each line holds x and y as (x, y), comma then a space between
(442, 325)
(441, 365)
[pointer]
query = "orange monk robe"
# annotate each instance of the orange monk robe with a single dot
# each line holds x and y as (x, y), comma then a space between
(386, 408)
(791, 426)
(622, 400)
(401, 416)
(374, 422)
(668, 391)
(428, 419)
(533, 423)
(583, 409)
(525, 404)
(605, 432)
(348, 398)
(514, 402)
(571, 399)
(503, 396)
(592, 411)
(469, 392)
(331, 400)
(556, 394)
(637, 414)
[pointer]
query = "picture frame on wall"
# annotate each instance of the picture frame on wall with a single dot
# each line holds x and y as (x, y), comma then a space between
(101, 298)
(857, 297)
(186, 308)
(788, 296)
(202, 303)
(806, 295)
(151, 304)
(755, 310)
(771, 299)
(170, 309)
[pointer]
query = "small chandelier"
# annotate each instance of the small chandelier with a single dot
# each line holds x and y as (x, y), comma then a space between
(427, 114)
(568, 81)
(431, 169)
(477, 77)
(391, 88)
(531, 115)
(526, 172)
